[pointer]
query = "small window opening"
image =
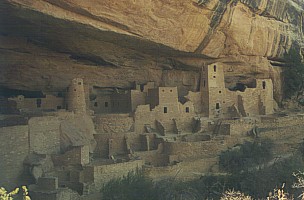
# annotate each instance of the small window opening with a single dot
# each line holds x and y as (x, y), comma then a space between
(214, 68)
(106, 104)
(58, 107)
(163, 90)
(217, 106)
(38, 102)
(213, 76)
(264, 85)
(96, 104)
(165, 110)
(79, 83)
(204, 83)
(142, 87)
(66, 106)
(74, 89)
(220, 92)
(187, 110)
(170, 90)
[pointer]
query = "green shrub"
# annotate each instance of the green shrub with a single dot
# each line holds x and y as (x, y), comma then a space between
(134, 186)
(294, 72)
(246, 156)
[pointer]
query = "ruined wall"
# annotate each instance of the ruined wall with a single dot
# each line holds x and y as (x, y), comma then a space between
(14, 150)
(44, 135)
(183, 171)
(119, 144)
(104, 173)
(195, 98)
(102, 104)
(121, 103)
(75, 156)
(113, 123)
(137, 98)
(154, 158)
(152, 98)
(50, 102)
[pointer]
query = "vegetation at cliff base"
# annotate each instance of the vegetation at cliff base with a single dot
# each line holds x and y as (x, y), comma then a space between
(294, 72)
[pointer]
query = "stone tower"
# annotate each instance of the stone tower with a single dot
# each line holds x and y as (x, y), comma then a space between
(213, 90)
(76, 97)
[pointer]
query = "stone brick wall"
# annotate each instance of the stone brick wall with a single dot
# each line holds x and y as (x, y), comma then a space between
(14, 149)
(76, 100)
(75, 156)
(137, 98)
(195, 98)
(104, 173)
(102, 104)
(119, 143)
(44, 135)
(113, 123)
(121, 103)
(50, 102)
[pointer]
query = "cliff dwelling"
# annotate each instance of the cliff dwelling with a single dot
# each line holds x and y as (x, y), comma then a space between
(93, 91)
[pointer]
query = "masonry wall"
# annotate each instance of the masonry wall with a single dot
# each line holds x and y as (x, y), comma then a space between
(104, 173)
(14, 149)
(113, 123)
(50, 102)
(143, 117)
(119, 143)
(152, 98)
(44, 135)
(121, 103)
(76, 99)
(137, 98)
(75, 156)
(102, 104)
(195, 98)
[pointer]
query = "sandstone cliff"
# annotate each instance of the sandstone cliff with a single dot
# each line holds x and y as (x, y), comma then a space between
(45, 43)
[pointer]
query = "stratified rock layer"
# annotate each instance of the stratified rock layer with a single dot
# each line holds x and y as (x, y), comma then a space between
(112, 44)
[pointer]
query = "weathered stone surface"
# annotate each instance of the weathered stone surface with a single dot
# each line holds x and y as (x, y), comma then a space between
(116, 43)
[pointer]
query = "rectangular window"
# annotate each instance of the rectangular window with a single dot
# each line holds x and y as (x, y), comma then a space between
(165, 110)
(38, 102)
(106, 104)
(187, 110)
(217, 106)
(58, 107)
(96, 104)
(264, 85)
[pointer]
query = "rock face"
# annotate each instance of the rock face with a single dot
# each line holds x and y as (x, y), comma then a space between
(46, 43)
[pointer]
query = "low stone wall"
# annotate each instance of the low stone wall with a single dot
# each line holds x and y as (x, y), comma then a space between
(104, 173)
(153, 158)
(183, 171)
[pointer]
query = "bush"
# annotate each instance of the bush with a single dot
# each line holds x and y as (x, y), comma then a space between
(134, 186)
(246, 156)
(294, 72)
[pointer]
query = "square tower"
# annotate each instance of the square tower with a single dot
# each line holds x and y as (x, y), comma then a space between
(213, 90)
